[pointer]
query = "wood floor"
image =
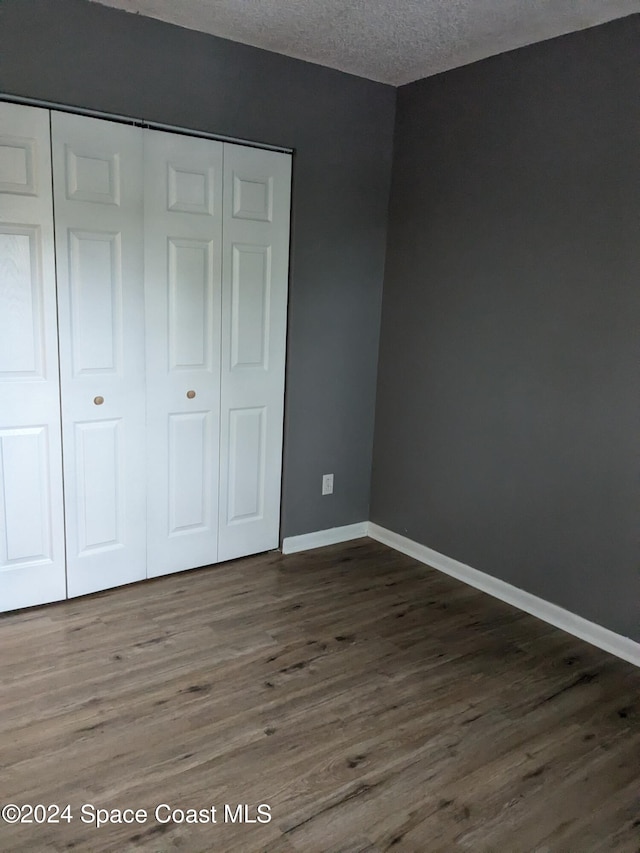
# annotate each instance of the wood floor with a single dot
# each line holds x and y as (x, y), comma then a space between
(371, 703)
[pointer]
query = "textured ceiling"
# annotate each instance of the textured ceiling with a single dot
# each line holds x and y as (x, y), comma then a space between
(393, 41)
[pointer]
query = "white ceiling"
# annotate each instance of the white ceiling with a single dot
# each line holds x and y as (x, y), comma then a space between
(393, 41)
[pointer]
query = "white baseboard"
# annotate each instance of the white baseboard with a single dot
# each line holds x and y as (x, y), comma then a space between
(603, 638)
(319, 538)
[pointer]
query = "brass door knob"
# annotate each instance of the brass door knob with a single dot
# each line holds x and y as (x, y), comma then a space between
(98, 400)
(191, 394)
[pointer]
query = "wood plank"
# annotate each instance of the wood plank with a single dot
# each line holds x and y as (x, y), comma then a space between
(372, 703)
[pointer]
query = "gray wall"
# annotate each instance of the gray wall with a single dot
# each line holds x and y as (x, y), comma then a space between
(341, 127)
(508, 413)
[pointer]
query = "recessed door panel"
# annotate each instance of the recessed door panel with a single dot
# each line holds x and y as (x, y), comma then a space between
(183, 230)
(32, 564)
(190, 490)
(191, 290)
(26, 504)
(18, 154)
(252, 195)
(100, 487)
(254, 293)
(21, 297)
(247, 430)
(95, 265)
(97, 171)
(251, 279)
(189, 189)
(90, 176)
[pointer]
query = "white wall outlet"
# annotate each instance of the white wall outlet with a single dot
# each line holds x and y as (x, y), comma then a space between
(327, 484)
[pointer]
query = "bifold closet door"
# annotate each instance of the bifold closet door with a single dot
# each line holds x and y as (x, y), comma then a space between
(97, 171)
(32, 567)
(183, 267)
(257, 189)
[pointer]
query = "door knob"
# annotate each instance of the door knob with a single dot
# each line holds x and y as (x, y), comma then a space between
(191, 394)
(98, 400)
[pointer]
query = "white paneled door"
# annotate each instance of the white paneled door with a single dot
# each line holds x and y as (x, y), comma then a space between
(183, 267)
(143, 306)
(97, 170)
(257, 188)
(32, 568)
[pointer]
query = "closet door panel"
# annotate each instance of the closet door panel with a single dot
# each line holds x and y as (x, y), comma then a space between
(97, 170)
(32, 566)
(257, 187)
(183, 233)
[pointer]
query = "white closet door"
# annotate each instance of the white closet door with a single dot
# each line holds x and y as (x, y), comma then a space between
(183, 268)
(257, 188)
(97, 171)
(32, 569)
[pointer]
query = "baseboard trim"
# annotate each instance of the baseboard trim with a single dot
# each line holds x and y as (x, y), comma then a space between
(332, 536)
(591, 632)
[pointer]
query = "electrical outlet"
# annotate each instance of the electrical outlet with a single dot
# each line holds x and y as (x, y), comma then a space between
(327, 484)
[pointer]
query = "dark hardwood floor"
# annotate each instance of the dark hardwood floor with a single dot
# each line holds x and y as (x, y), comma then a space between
(371, 703)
